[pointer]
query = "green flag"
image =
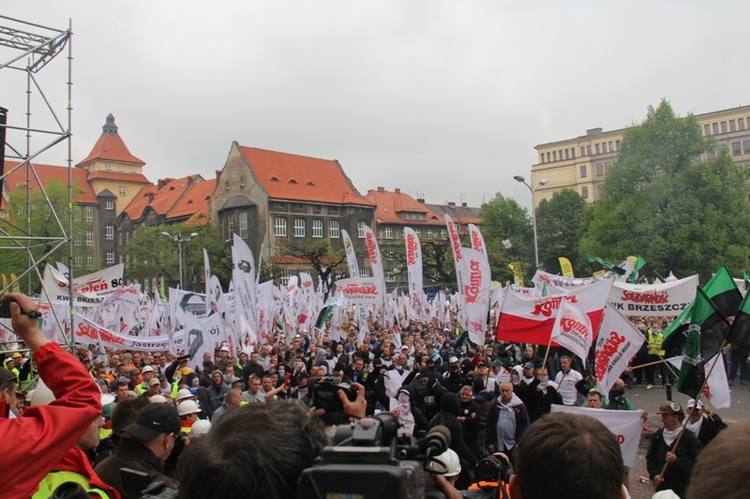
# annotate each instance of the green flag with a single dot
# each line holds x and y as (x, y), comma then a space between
(598, 265)
(692, 372)
(739, 333)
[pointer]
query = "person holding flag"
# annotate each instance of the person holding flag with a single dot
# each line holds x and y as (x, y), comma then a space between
(666, 449)
(703, 422)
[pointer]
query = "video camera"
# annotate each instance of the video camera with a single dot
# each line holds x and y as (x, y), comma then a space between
(370, 460)
(492, 476)
(325, 394)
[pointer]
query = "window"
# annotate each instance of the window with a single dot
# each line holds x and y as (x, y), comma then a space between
(583, 171)
(123, 191)
(585, 192)
(108, 167)
(109, 232)
(741, 121)
(286, 274)
(600, 169)
(716, 128)
(723, 127)
(120, 168)
(388, 233)
(429, 233)
(89, 214)
(604, 147)
(588, 150)
(242, 182)
(598, 149)
(89, 238)
(364, 272)
(548, 158)
(554, 155)
(444, 234)
(119, 237)
(132, 169)
(243, 225)
(317, 228)
(77, 240)
(109, 205)
(573, 152)
(736, 149)
(299, 227)
(279, 227)
(232, 225)
(226, 186)
(567, 153)
(746, 146)
(611, 146)
(732, 126)
(333, 229)
(706, 130)
(390, 276)
(109, 257)
(361, 229)
(77, 261)
(583, 151)
(90, 262)
(541, 157)
(607, 168)
(599, 190)
(76, 213)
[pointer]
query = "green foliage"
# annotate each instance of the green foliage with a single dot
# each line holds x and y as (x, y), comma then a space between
(504, 219)
(561, 222)
(659, 201)
(320, 256)
(47, 222)
(152, 254)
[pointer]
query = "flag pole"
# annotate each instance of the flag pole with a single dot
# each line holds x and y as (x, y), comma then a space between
(692, 409)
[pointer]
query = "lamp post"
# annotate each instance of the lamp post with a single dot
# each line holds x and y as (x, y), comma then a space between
(543, 181)
(180, 241)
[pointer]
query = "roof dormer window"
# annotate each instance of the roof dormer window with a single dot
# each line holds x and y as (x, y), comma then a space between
(310, 182)
(292, 181)
(274, 179)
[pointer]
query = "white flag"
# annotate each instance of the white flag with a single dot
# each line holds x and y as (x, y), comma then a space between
(617, 343)
(626, 426)
(572, 330)
(717, 387)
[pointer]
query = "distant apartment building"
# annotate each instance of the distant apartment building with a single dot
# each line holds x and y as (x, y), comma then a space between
(583, 162)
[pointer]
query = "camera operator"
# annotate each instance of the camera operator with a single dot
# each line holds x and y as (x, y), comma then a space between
(36, 441)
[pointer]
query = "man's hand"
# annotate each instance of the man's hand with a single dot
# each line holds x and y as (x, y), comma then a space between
(671, 457)
(25, 327)
(358, 408)
(658, 480)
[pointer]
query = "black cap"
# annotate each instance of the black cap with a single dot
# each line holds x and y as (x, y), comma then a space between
(154, 420)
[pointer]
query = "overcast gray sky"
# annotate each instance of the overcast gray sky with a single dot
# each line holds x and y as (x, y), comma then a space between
(444, 99)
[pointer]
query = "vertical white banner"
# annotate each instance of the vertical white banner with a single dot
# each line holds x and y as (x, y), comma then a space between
(414, 271)
(245, 290)
(476, 293)
(458, 258)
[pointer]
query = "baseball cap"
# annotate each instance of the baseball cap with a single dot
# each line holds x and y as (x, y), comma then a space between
(153, 420)
(185, 371)
(670, 408)
(693, 403)
(528, 365)
(482, 363)
(154, 381)
(453, 359)
(497, 363)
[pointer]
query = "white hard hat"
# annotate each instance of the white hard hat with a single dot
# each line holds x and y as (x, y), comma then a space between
(158, 399)
(451, 461)
(200, 428)
(187, 407)
(184, 394)
(44, 396)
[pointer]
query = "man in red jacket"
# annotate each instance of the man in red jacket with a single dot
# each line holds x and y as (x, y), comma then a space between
(35, 442)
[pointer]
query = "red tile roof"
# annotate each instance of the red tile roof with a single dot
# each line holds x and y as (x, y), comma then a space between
(301, 178)
(392, 204)
(119, 177)
(195, 202)
(111, 147)
(17, 179)
(161, 198)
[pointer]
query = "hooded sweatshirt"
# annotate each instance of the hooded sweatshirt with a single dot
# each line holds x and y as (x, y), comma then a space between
(450, 407)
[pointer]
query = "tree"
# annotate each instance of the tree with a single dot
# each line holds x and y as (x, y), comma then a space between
(561, 222)
(319, 255)
(508, 234)
(438, 269)
(47, 221)
(662, 202)
(151, 254)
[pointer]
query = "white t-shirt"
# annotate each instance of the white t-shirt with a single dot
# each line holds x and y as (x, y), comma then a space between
(566, 384)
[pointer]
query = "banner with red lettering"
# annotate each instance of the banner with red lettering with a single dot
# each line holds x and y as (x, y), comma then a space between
(659, 300)
(625, 425)
(88, 332)
(572, 330)
(476, 292)
(458, 257)
(477, 240)
(376, 263)
(542, 279)
(362, 290)
(414, 271)
(529, 319)
(617, 343)
(88, 290)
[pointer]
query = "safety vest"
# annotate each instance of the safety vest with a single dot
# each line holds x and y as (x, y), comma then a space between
(53, 480)
(654, 345)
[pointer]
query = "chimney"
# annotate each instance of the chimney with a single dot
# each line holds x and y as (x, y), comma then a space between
(463, 204)
(162, 182)
(150, 196)
(420, 200)
(381, 189)
(397, 190)
(451, 203)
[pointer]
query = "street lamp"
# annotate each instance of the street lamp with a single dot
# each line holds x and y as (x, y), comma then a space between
(543, 181)
(180, 241)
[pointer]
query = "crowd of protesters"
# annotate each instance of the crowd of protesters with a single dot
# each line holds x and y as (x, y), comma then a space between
(156, 404)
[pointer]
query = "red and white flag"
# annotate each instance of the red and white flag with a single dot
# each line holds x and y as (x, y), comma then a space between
(617, 343)
(530, 319)
(572, 330)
